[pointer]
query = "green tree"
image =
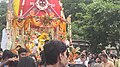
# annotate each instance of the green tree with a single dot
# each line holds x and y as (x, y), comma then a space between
(102, 24)
(74, 6)
(3, 11)
(98, 22)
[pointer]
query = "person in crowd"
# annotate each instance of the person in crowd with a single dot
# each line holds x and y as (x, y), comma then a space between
(106, 62)
(98, 59)
(77, 59)
(113, 57)
(97, 62)
(16, 49)
(42, 55)
(97, 65)
(85, 52)
(35, 48)
(4, 41)
(1, 53)
(9, 59)
(55, 54)
(46, 41)
(77, 65)
(22, 52)
(35, 59)
(26, 62)
(42, 62)
(110, 59)
(118, 64)
(83, 60)
(91, 61)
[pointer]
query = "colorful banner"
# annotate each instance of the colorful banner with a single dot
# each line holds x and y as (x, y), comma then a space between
(37, 7)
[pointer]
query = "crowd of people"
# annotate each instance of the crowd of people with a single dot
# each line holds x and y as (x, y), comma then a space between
(56, 54)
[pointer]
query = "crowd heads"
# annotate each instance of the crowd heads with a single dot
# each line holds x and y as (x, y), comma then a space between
(26, 62)
(22, 52)
(55, 53)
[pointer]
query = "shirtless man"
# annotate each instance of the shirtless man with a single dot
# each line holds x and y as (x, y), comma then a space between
(106, 62)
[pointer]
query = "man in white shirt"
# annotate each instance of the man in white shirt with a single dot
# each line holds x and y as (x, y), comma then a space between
(4, 39)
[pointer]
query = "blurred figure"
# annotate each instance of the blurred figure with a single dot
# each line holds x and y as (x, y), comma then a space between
(91, 60)
(46, 41)
(16, 49)
(9, 59)
(1, 53)
(77, 65)
(55, 54)
(118, 62)
(83, 60)
(106, 62)
(85, 53)
(43, 61)
(35, 59)
(42, 55)
(22, 52)
(35, 48)
(98, 62)
(97, 65)
(4, 41)
(110, 59)
(26, 62)
(113, 57)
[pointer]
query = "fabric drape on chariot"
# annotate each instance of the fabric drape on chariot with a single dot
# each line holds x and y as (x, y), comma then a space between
(23, 7)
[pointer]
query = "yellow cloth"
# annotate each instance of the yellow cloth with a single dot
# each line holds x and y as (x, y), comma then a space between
(16, 5)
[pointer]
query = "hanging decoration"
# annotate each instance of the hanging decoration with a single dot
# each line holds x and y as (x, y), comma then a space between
(44, 21)
(31, 17)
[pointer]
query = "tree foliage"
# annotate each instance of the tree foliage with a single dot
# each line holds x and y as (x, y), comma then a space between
(3, 11)
(74, 6)
(98, 22)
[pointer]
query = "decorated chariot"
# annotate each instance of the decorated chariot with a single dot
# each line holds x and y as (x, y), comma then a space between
(31, 22)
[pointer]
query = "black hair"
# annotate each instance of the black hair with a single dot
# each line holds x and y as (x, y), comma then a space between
(46, 41)
(8, 54)
(42, 55)
(82, 55)
(104, 55)
(32, 55)
(77, 65)
(113, 56)
(35, 59)
(21, 50)
(1, 55)
(52, 50)
(18, 46)
(26, 62)
(1, 49)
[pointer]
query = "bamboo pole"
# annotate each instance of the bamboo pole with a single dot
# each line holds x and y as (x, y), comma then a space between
(69, 28)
